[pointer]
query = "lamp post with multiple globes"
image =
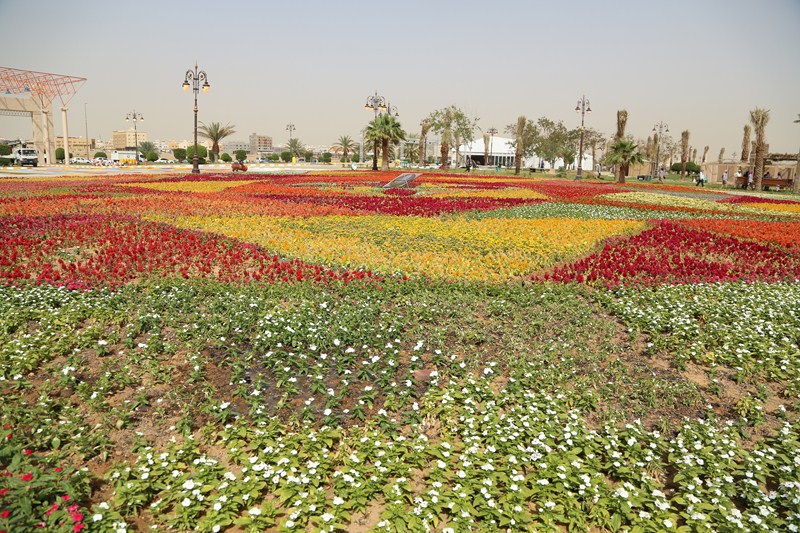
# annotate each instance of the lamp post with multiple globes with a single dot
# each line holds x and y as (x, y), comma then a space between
(135, 117)
(193, 79)
(583, 108)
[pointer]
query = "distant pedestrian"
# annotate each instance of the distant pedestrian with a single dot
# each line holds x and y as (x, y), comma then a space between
(750, 184)
(725, 178)
(469, 165)
(737, 176)
(661, 175)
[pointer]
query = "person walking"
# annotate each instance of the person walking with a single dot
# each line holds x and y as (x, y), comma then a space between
(725, 178)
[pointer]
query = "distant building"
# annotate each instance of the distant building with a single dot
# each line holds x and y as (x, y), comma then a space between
(78, 146)
(231, 146)
(260, 144)
(121, 139)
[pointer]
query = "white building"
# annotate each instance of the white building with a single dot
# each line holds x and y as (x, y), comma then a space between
(502, 152)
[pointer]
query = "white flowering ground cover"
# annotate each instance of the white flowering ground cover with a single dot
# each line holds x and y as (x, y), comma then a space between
(405, 407)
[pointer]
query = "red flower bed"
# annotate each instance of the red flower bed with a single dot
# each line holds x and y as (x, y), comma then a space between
(755, 199)
(406, 205)
(673, 253)
(395, 191)
(83, 251)
(571, 190)
(785, 234)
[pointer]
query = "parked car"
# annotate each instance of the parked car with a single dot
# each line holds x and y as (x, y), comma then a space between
(164, 160)
(79, 161)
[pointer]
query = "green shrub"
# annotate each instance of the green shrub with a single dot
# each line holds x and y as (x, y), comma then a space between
(226, 157)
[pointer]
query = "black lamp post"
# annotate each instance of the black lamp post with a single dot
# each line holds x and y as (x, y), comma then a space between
(661, 128)
(135, 117)
(376, 103)
(193, 79)
(583, 107)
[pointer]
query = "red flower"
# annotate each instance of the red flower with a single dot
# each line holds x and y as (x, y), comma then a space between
(59, 469)
(27, 452)
(5, 514)
(78, 527)
(27, 477)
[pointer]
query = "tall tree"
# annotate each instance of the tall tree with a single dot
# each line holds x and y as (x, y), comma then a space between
(624, 153)
(344, 146)
(694, 155)
(214, 132)
(759, 118)
(525, 135)
(385, 129)
(721, 154)
(684, 150)
(746, 144)
(425, 126)
(551, 139)
(705, 154)
(486, 141)
(449, 122)
(411, 147)
(622, 121)
(145, 147)
(296, 147)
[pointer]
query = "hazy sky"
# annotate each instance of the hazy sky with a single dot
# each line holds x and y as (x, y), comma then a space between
(696, 65)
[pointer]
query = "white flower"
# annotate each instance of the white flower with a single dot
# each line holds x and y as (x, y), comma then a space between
(550, 505)
(668, 523)
(188, 485)
(186, 502)
(327, 517)
(337, 500)
(97, 517)
(255, 511)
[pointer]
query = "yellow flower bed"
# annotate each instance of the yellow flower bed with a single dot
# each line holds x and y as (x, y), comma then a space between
(491, 249)
(190, 186)
(792, 209)
(671, 200)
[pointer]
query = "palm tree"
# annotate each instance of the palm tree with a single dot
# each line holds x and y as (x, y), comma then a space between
(721, 154)
(759, 118)
(684, 150)
(425, 126)
(344, 145)
(705, 153)
(214, 132)
(296, 147)
(145, 147)
(411, 147)
(622, 121)
(624, 153)
(385, 129)
(746, 144)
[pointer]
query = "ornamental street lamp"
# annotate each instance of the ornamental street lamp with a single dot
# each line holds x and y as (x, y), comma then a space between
(193, 79)
(86, 124)
(491, 131)
(376, 103)
(290, 128)
(660, 129)
(135, 117)
(583, 107)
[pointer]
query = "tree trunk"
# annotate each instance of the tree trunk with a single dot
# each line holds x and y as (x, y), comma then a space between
(375, 155)
(721, 155)
(746, 144)
(445, 151)
(385, 155)
(486, 141)
(422, 151)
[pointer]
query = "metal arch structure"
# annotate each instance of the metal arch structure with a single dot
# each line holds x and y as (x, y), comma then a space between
(31, 93)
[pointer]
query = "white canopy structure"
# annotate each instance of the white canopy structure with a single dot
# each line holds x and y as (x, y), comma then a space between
(502, 153)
